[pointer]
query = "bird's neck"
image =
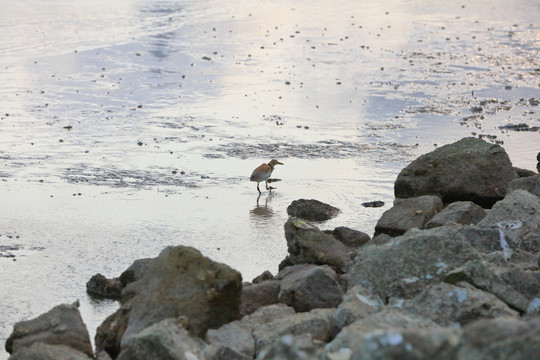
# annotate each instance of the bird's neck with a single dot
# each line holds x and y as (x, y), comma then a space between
(271, 166)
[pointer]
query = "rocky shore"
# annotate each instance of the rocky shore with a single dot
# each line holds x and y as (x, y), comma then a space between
(452, 272)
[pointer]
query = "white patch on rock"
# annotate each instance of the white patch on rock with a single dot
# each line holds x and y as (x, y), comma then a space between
(441, 266)
(461, 295)
(366, 300)
(534, 305)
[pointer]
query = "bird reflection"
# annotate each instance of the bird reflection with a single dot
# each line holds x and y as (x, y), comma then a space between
(262, 209)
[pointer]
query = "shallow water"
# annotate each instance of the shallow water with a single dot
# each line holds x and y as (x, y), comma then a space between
(131, 126)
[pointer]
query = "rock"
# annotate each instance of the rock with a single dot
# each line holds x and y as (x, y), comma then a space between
(349, 237)
(267, 275)
(467, 170)
(237, 336)
(316, 323)
(447, 304)
(461, 212)
(62, 325)
(308, 245)
(404, 266)
(522, 173)
(518, 216)
(258, 295)
(527, 283)
(290, 347)
(374, 204)
(222, 353)
(381, 239)
(529, 183)
(311, 287)
(311, 210)
(100, 285)
(43, 351)
(385, 320)
(164, 340)
(482, 276)
(109, 334)
(417, 344)
(182, 282)
(136, 271)
(502, 338)
(407, 214)
(357, 303)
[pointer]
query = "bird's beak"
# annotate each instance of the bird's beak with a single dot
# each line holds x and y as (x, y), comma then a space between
(279, 163)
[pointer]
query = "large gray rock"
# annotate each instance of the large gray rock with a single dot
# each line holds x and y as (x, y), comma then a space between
(62, 325)
(311, 210)
(410, 344)
(407, 214)
(529, 183)
(311, 287)
(385, 320)
(316, 323)
(357, 303)
(258, 295)
(102, 286)
(43, 351)
(447, 304)
(289, 347)
(460, 212)
(309, 245)
(469, 169)
(109, 334)
(350, 237)
(237, 336)
(404, 266)
(501, 338)
(182, 282)
(518, 216)
(164, 340)
(483, 276)
(136, 271)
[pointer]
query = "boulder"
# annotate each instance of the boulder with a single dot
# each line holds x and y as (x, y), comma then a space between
(258, 295)
(448, 304)
(289, 347)
(483, 276)
(309, 245)
(385, 320)
(164, 340)
(101, 286)
(357, 303)
(311, 287)
(266, 275)
(404, 266)
(109, 334)
(237, 336)
(311, 210)
(316, 323)
(182, 282)
(460, 212)
(501, 338)
(43, 351)
(62, 325)
(407, 214)
(526, 282)
(350, 237)
(518, 217)
(136, 271)
(409, 344)
(467, 170)
(529, 183)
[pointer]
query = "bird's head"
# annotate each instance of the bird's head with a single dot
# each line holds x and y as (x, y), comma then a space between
(274, 162)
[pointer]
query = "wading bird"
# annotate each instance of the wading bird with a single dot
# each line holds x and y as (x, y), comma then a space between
(263, 172)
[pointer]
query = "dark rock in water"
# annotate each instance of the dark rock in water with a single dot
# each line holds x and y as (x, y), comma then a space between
(100, 285)
(309, 245)
(461, 212)
(350, 237)
(311, 210)
(311, 287)
(447, 304)
(468, 170)
(519, 127)
(530, 183)
(403, 267)
(182, 282)
(502, 338)
(255, 296)
(407, 214)
(43, 351)
(136, 271)
(62, 325)
(373, 204)
(109, 333)
(164, 340)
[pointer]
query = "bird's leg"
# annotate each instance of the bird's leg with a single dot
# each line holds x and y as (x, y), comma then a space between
(258, 189)
(269, 187)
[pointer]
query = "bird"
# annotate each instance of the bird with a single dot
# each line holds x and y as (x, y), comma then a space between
(263, 172)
